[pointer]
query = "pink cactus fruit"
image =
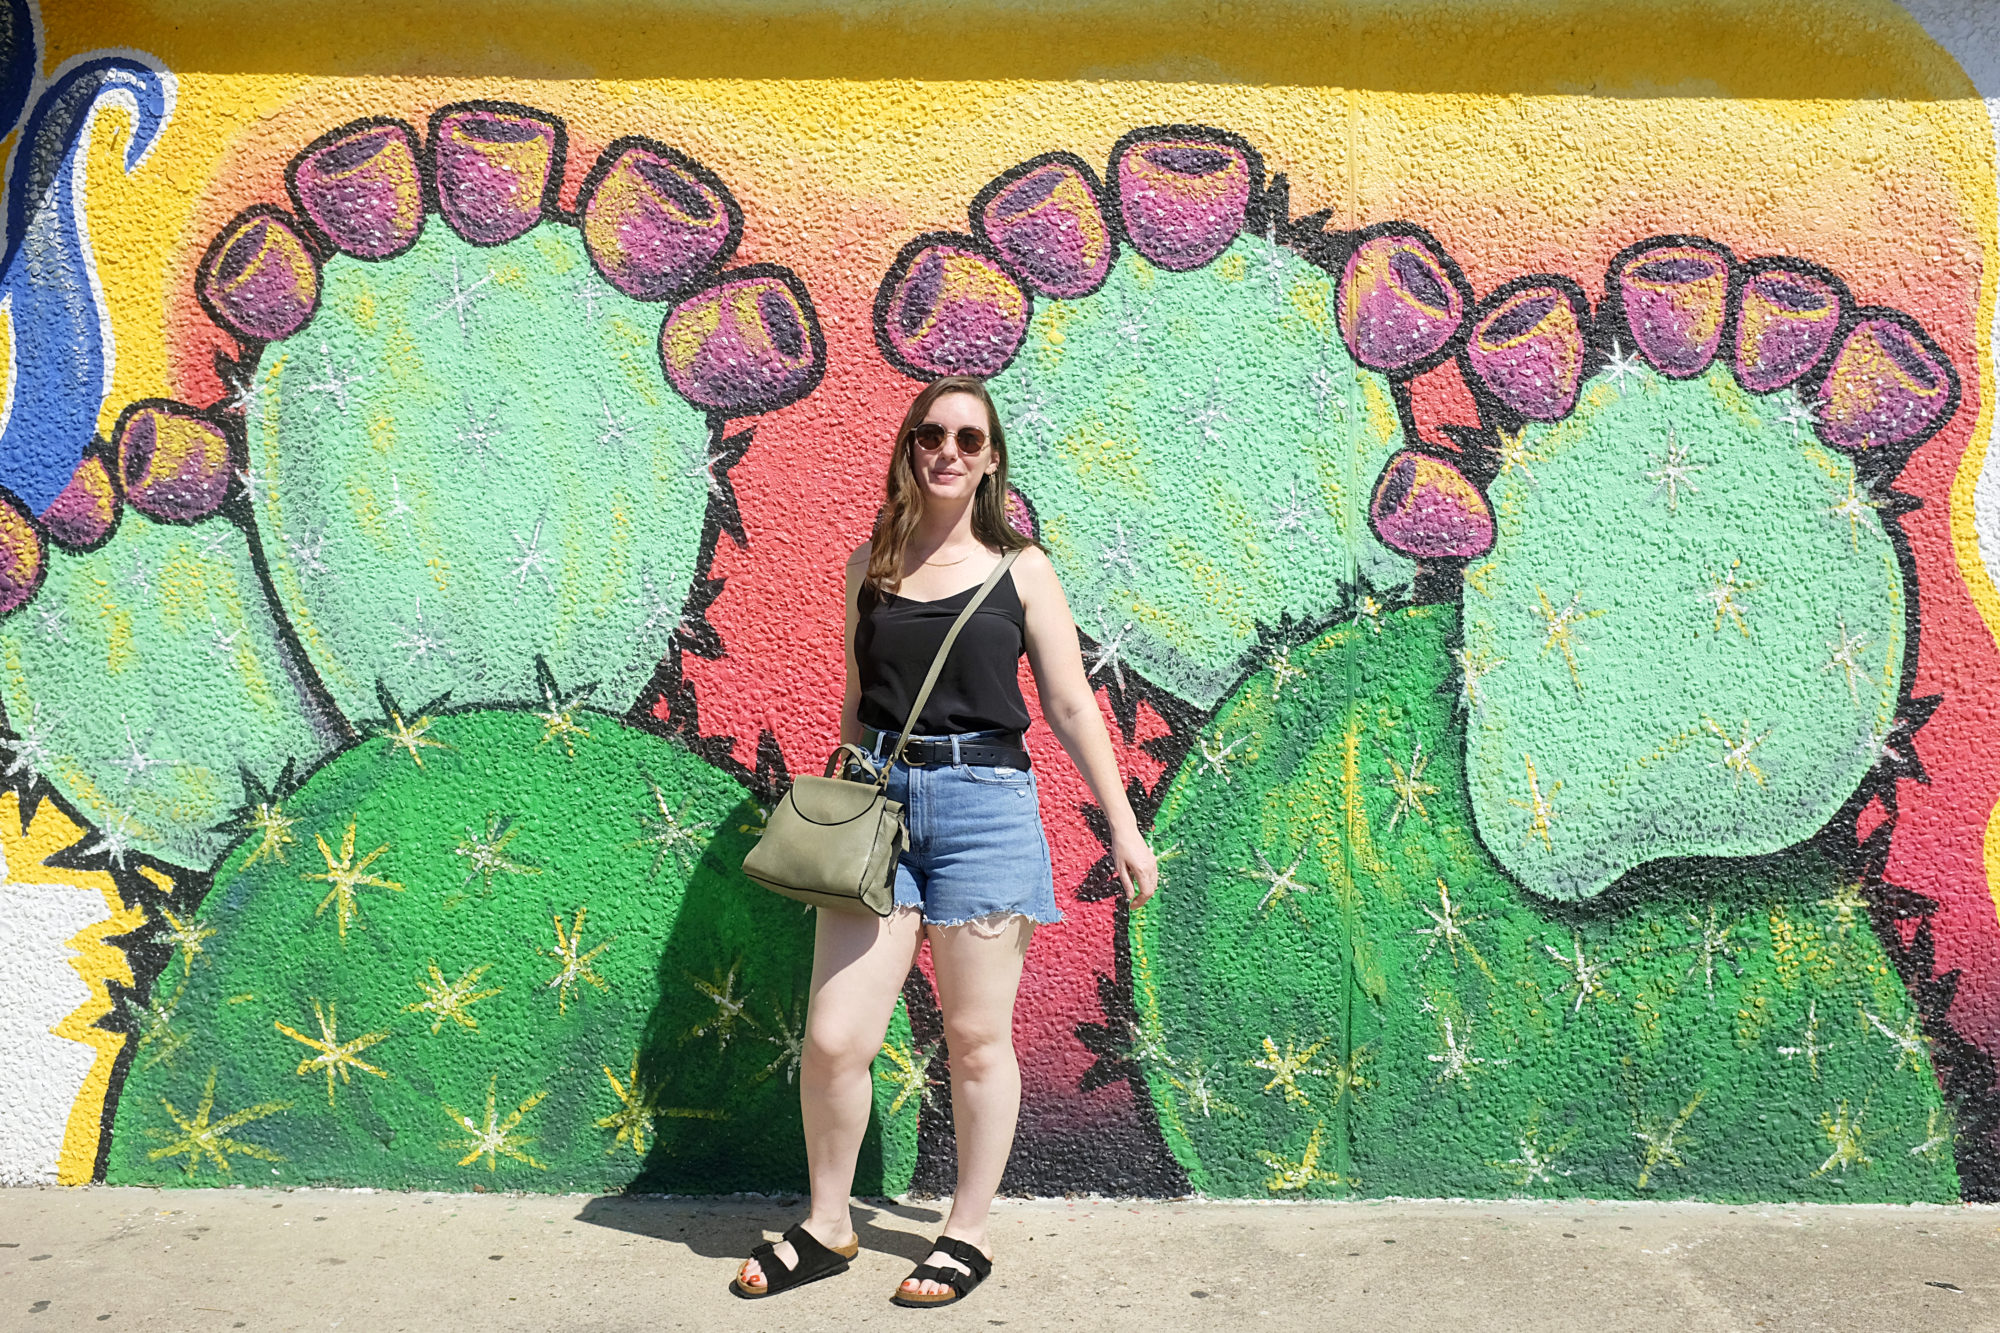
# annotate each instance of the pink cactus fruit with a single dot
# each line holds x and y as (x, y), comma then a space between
(1044, 220)
(1426, 508)
(1397, 303)
(494, 164)
(173, 462)
(258, 279)
(23, 558)
(83, 513)
(1675, 292)
(360, 189)
(1184, 192)
(1888, 385)
(1786, 316)
(656, 221)
(1528, 349)
(1021, 515)
(946, 308)
(749, 343)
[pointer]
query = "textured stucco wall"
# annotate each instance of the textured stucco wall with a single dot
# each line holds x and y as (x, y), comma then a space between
(1521, 471)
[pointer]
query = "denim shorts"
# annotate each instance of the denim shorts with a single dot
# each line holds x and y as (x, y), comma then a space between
(977, 850)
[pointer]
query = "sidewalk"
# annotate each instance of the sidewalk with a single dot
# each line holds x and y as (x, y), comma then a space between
(318, 1259)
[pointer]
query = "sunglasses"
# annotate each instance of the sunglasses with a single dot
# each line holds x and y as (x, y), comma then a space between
(930, 437)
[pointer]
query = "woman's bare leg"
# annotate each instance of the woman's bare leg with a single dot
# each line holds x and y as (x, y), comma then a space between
(859, 963)
(978, 973)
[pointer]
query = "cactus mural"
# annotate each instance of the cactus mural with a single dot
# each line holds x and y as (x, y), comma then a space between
(1529, 547)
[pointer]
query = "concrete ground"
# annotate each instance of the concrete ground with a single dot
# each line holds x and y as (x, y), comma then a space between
(318, 1259)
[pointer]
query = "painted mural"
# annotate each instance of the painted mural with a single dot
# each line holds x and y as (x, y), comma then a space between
(1547, 648)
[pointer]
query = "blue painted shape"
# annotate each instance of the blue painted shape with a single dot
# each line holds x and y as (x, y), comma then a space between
(62, 332)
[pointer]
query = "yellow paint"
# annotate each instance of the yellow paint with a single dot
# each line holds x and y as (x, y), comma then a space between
(97, 963)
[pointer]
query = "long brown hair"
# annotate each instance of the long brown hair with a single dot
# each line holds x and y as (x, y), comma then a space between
(903, 507)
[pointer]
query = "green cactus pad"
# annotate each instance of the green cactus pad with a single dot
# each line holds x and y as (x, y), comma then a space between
(1199, 449)
(1687, 639)
(143, 679)
(547, 973)
(471, 457)
(1310, 1025)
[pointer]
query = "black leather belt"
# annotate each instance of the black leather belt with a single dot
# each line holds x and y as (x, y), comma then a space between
(936, 752)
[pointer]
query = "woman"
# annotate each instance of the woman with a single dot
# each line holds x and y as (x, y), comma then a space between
(976, 880)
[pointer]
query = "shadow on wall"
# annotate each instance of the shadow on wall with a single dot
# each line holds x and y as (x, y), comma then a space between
(1702, 48)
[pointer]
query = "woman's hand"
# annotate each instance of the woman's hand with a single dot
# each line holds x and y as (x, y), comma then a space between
(1137, 868)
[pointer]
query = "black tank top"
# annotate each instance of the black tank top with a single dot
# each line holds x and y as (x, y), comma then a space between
(979, 689)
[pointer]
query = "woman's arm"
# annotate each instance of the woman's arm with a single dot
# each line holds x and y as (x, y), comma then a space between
(850, 706)
(1070, 706)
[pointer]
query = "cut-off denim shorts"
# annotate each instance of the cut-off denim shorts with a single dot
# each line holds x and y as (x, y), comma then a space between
(977, 852)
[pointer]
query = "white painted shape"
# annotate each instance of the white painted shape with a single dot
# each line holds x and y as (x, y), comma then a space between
(1970, 31)
(40, 1073)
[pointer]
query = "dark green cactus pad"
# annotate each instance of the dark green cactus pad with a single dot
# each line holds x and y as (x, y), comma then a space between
(529, 961)
(1339, 991)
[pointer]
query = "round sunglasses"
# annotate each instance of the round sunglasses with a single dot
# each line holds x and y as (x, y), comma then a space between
(930, 437)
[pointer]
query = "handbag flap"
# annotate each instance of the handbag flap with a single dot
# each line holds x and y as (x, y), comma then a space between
(832, 800)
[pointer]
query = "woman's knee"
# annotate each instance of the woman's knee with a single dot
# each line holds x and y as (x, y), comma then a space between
(833, 1051)
(980, 1049)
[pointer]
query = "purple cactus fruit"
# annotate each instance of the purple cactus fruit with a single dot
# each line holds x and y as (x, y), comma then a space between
(1047, 225)
(1785, 321)
(947, 309)
(655, 220)
(173, 462)
(1887, 386)
(1425, 507)
(1397, 304)
(360, 188)
(493, 166)
(1528, 349)
(749, 343)
(1674, 298)
(23, 558)
(258, 279)
(82, 515)
(1183, 198)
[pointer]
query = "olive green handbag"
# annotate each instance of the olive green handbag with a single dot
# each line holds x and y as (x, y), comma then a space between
(832, 841)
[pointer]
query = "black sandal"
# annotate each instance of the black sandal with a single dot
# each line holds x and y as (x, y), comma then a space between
(961, 1284)
(815, 1262)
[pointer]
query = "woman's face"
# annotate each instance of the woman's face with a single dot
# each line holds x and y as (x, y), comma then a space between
(946, 474)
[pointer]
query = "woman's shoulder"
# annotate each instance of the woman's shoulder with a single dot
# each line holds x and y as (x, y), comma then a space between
(1034, 563)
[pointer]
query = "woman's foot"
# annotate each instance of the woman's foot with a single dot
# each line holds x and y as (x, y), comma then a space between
(751, 1275)
(938, 1258)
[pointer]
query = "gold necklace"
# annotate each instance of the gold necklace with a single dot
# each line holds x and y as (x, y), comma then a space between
(945, 564)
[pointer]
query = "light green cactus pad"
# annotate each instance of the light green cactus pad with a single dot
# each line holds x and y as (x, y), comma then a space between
(1199, 449)
(1688, 638)
(471, 456)
(1338, 991)
(145, 676)
(511, 966)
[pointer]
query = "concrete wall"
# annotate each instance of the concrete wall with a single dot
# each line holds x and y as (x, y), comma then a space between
(1517, 467)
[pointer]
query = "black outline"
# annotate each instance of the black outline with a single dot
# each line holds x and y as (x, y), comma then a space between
(322, 239)
(1331, 250)
(551, 204)
(976, 216)
(679, 161)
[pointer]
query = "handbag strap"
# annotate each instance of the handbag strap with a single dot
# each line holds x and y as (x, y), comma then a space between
(937, 663)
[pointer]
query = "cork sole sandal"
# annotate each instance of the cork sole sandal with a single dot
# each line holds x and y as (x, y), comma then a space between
(960, 1284)
(815, 1261)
